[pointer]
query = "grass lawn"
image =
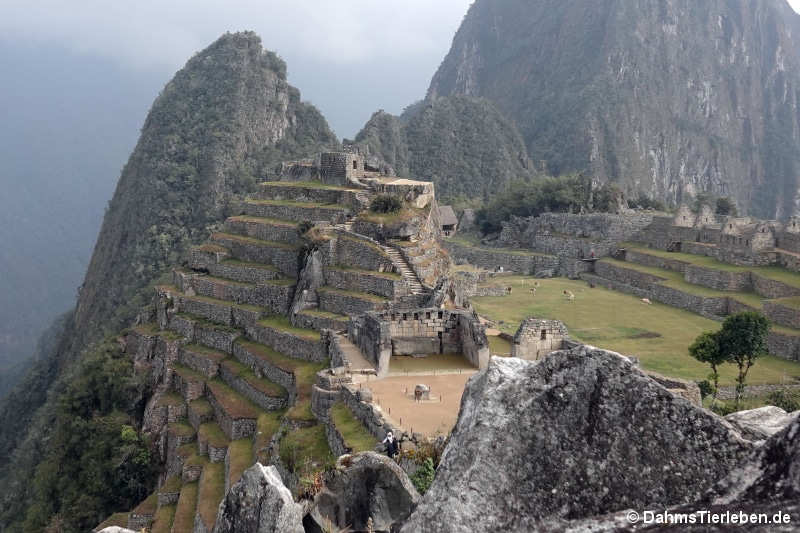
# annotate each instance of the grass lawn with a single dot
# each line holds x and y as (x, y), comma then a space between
(213, 434)
(281, 323)
(657, 334)
(305, 450)
(183, 519)
(241, 458)
(266, 426)
(354, 433)
(210, 492)
(163, 519)
(498, 346)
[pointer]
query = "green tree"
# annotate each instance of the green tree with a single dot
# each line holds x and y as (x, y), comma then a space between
(726, 206)
(742, 340)
(706, 349)
(423, 476)
(700, 200)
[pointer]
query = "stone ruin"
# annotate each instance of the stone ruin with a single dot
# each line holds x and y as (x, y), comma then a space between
(537, 337)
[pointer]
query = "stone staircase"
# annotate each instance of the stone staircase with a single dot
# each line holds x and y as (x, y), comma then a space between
(404, 269)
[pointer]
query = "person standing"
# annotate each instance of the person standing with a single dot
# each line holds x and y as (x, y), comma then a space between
(391, 443)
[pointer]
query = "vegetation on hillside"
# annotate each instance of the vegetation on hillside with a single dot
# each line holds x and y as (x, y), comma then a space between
(567, 194)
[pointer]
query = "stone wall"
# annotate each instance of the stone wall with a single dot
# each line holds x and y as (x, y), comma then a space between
(357, 252)
(297, 213)
(284, 378)
(388, 286)
(234, 428)
(629, 276)
(346, 304)
(277, 231)
(783, 345)
(770, 288)
(266, 402)
(221, 290)
(372, 336)
(276, 296)
(785, 315)
(722, 280)
(535, 338)
(284, 257)
(488, 259)
(644, 259)
(309, 194)
(287, 342)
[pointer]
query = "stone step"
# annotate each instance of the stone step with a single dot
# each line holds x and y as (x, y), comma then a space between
(268, 229)
(318, 319)
(223, 312)
(296, 211)
(349, 302)
(281, 255)
(240, 458)
(212, 442)
(280, 335)
(309, 192)
(234, 413)
(201, 359)
(210, 491)
(190, 384)
(261, 391)
(183, 519)
(200, 412)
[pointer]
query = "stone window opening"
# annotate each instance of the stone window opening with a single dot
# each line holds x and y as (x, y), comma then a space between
(730, 226)
(440, 314)
(747, 243)
(416, 316)
(544, 334)
(405, 316)
(427, 315)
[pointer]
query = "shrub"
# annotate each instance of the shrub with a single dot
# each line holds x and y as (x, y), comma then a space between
(786, 399)
(423, 477)
(706, 388)
(385, 203)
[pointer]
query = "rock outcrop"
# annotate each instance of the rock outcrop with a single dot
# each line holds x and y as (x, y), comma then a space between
(366, 485)
(761, 423)
(581, 433)
(259, 503)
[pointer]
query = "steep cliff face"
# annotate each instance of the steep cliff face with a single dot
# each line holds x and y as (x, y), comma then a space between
(224, 121)
(669, 98)
(228, 116)
(463, 144)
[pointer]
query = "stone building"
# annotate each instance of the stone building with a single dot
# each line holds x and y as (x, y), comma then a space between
(448, 220)
(537, 337)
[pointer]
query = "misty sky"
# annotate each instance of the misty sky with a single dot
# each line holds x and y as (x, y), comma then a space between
(350, 57)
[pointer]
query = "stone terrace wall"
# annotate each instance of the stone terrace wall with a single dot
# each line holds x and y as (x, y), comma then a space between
(372, 336)
(655, 261)
(722, 280)
(357, 252)
(785, 315)
(488, 259)
(783, 345)
(351, 280)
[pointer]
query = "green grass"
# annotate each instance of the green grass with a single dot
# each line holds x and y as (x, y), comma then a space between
(201, 407)
(210, 492)
(498, 346)
(325, 314)
(265, 220)
(266, 426)
(292, 203)
(116, 519)
(225, 303)
(163, 520)
(792, 302)
(236, 405)
(205, 351)
(185, 509)
(211, 433)
(240, 453)
(354, 294)
(354, 433)
(172, 484)
(152, 330)
(261, 384)
(659, 335)
(148, 505)
(770, 272)
(254, 241)
(205, 323)
(305, 450)
(170, 398)
(306, 185)
(212, 248)
(281, 323)
(181, 428)
(246, 264)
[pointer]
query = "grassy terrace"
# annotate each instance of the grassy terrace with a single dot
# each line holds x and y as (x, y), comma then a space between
(201, 407)
(170, 398)
(241, 458)
(266, 426)
(292, 203)
(234, 283)
(373, 273)
(325, 314)
(116, 519)
(181, 428)
(265, 220)
(210, 492)
(499, 346)
(224, 303)
(306, 185)
(281, 323)
(148, 506)
(770, 272)
(246, 264)
(191, 457)
(163, 520)
(205, 351)
(152, 330)
(305, 450)
(659, 335)
(793, 302)
(172, 484)
(675, 280)
(204, 323)
(354, 294)
(354, 433)
(211, 433)
(473, 242)
(185, 510)
(260, 384)
(236, 405)
(255, 242)
(212, 248)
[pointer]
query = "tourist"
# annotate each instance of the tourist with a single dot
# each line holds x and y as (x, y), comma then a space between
(391, 445)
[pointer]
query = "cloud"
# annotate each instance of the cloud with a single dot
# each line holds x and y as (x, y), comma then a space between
(157, 34)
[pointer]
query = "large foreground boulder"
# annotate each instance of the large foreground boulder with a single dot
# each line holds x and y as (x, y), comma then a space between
(580, 433)
(259, 503)
(761, 423)
(363, 486)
